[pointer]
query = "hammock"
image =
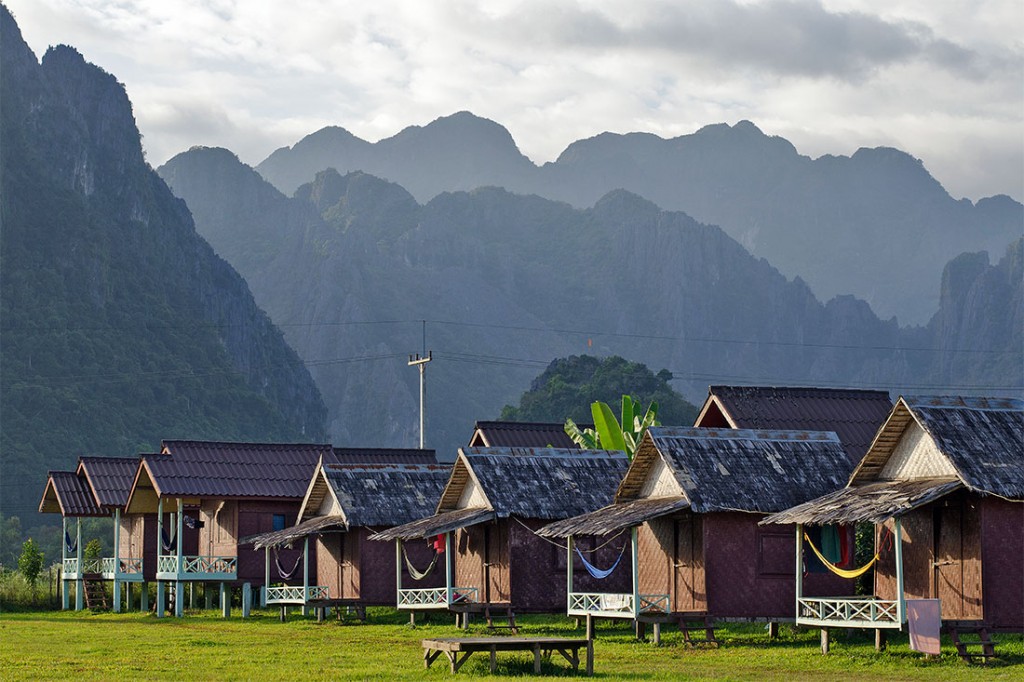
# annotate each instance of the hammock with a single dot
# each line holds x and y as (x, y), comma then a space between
(72, 546)
(595, 571)
(841, 572)
(419, 575)
(286, 575)
(166, 540)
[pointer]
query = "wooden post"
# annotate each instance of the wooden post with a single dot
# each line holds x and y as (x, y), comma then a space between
(79, 582)
(398, 574)
(568, 575)
(266, 578)
(65, 600)
(448, 566)
(879, 639)
(824, 640)
(590, 644)
(305, 577)
(898, 542)
(117, 560)
(246, 599)
(773, 631)
(144, 598)
(159, 551)
(160, 598)
(225, 600)
(636, 571)
(179, 603)
(799, 568)
(657, 633)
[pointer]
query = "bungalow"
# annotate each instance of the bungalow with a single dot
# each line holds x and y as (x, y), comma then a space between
(344, 504)
(943, 483)
(485, 527)
(691, 501)
(522, 435)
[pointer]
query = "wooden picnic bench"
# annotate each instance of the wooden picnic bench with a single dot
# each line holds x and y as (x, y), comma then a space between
(321, 606)
(459, 649)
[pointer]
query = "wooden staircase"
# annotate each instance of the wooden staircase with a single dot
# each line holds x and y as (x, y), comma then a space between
(693, 626)
(982, 648)
(95, 593)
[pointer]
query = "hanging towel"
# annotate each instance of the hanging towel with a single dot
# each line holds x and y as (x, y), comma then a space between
(830, 544)
(811, 562)
(924, 621)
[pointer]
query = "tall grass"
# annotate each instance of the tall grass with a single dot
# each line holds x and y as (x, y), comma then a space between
(17, 595)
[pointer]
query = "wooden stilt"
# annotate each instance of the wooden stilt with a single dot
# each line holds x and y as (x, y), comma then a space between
(590, 644)
(159, 598)
(773, 631)
(824, 640)
(225, 600)
(879, 639)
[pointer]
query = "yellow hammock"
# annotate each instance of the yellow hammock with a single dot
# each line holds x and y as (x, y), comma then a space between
(841, 572)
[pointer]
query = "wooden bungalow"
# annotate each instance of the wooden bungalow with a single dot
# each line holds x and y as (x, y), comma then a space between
(68, 493)
(485, 521)
(522, 435)
(852, 414)
(943, 483)
(344, 504)
(691, 501)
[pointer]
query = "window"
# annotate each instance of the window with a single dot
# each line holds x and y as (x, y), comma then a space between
(279, 521)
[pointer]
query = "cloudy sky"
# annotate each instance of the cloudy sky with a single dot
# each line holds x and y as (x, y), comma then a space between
(941, 79)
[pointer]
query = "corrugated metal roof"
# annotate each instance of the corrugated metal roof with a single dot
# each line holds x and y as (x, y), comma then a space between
(226, 470)
(111, 478)
(545, 483)
(436, 524)
(615, 517)
(499, 434)
(69, 494)
(854, 415)
(386, 494)
(383, 456)
(872, 503)
(744, 470)
(983, 438)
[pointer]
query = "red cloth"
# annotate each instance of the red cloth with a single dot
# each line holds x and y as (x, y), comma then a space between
(439, 543)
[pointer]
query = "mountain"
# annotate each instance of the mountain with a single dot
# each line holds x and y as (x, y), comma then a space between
(120, 325)
(875, 224)
(354, 269)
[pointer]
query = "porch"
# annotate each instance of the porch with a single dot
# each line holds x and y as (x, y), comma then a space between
(611, 605)
(185, 568)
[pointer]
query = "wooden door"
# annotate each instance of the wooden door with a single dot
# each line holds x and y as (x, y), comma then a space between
(957, 581)
(689, 593)
(496, 560)
(348, 568)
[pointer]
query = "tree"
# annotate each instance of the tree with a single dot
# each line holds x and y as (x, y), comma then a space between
(30, 563)
(93, 550)
(609, 434)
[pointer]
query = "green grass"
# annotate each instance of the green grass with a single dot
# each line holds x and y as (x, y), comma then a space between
(202, 646)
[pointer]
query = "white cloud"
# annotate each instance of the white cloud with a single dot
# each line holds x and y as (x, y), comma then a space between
(940, 80)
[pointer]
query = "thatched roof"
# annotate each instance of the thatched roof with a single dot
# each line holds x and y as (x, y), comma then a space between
(385, 494)
(739, 469)
(853, 414)
(436, 524)
(870, 503)
(314, 526)
(615, 517)
(529, 483)
(982, 438)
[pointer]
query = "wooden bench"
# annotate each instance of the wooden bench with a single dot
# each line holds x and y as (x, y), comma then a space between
(321, 606)
(459, 649)
(490, 612)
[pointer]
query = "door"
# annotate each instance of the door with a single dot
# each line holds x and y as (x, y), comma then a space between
(689, 565)
(957, 566)
(496, 562)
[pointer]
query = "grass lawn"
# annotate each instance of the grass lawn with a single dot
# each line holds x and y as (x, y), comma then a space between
(202, 646)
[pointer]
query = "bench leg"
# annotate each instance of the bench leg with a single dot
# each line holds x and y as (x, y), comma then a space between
(494, 660)
(590, 655)
(456, 661)
(536, 659)
(429, 656)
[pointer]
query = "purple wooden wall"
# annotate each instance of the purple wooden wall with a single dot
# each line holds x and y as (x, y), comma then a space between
(1002, 565)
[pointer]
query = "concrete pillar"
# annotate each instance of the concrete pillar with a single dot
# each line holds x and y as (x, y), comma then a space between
(144, 598)
(824, 641)
(160, 598)
(225, 600)
(246, 599)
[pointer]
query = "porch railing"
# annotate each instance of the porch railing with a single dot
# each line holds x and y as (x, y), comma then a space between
(130, 567)
(88, 566)
(435, 597)
(854, 612)
(197, 567)
(295, 594)
(615, 605)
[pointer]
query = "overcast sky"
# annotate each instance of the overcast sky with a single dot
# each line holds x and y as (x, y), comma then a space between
(941, 80)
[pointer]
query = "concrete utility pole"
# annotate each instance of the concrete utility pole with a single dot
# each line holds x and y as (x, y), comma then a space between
(421, 362)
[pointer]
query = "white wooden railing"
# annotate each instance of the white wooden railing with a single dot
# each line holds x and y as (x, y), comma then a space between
(865, 612)
(615, 605)
(198, 566)
(295, 594)
(130, 566)
(88, 566)
(435, 597)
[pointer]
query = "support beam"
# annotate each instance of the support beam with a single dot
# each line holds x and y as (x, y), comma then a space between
(568, 574)
(799, 567)
(824, 641)
(898, 542)
(144, 598)
(633, 535)
(773, 631)
(880, 642)
(179, 601)
(225, 600)
(117, 560)
(448, 566)
(160, 590)
(266, 578)
(398, 575)
(79, 582)
(65, 600)
(159, 551)
(246, 599)
(305, 577)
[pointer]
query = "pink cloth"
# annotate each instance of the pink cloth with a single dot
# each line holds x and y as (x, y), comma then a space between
(924, 620)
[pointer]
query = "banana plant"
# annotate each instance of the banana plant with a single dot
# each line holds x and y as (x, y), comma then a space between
(611, 434)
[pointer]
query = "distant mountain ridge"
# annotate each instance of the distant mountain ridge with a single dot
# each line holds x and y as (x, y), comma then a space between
(120, 324)
(351, 263)
(875, 224)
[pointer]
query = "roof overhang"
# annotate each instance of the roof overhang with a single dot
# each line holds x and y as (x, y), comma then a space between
(615, 517)
(437, 524)
(314, 526)
(870, 503)
(462, 473)
(53, 501)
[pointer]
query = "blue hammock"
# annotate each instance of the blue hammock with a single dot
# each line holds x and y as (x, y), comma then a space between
(167, 541)
(594, 570)
(72, 546)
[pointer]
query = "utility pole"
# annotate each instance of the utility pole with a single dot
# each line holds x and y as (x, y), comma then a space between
(421, 362)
